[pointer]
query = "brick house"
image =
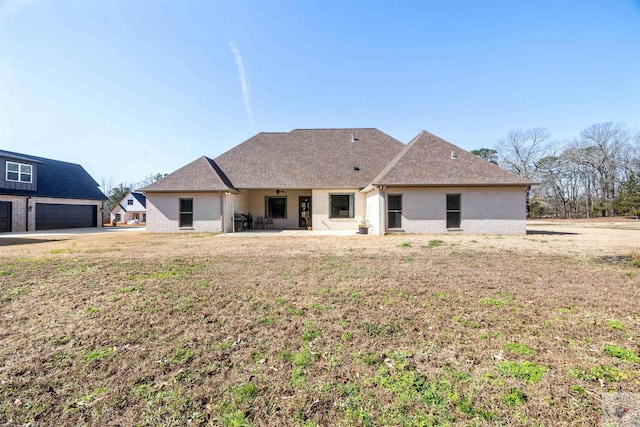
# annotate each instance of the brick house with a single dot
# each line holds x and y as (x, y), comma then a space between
(331, 179)
(43, 194)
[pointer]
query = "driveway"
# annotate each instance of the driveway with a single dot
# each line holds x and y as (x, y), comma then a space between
(72, 231)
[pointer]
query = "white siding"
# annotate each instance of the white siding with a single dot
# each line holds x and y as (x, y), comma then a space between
(118, 210)
(128, 212)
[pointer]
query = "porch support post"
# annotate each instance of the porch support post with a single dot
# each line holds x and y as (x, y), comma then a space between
(223, 199)
(383, 211)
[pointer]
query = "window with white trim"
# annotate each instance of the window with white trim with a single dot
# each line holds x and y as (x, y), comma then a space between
(341, 205)
(19, 172)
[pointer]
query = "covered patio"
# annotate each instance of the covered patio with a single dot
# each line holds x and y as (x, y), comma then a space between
(293, 210)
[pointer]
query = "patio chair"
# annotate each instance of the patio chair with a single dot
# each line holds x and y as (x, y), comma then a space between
(269, 223)
(258, 223)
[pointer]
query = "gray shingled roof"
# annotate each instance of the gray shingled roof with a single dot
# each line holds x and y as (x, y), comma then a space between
(202, 174)
(309, 158)
(335, 158)
(427, 161)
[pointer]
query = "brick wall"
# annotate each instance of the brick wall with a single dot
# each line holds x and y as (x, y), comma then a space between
(19, 209)
(163, 211)
(321, 208)
(485, 210)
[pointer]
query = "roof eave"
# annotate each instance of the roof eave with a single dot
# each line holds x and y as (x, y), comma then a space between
(459, 184)
(228, 190)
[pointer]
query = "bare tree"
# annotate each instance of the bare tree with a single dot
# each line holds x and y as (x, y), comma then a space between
(148, 180)
(521, 152)
(604, 146)
(597, 172)
(560, 179)
(107, 184)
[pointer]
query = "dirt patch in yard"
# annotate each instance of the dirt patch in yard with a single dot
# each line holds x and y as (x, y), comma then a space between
(144, 329)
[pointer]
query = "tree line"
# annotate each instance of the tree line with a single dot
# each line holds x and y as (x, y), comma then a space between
(597, 174)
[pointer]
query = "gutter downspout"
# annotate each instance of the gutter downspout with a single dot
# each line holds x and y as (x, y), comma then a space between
(26, 201)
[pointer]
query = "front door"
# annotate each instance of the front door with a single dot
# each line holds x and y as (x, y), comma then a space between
(5, 216)
(304, 211)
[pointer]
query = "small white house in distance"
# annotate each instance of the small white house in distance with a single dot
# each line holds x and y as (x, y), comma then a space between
(132, 209)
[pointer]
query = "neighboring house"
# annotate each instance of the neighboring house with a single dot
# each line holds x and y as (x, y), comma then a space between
(44, 194)
(340, 176)
(131, 209)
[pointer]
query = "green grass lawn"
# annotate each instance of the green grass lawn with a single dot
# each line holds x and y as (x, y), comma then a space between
(174, 330)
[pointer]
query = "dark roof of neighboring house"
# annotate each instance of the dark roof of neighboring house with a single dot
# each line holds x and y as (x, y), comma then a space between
(57, 179)
(202, 174)
(309, 158)
(141, 198)
(430, 160)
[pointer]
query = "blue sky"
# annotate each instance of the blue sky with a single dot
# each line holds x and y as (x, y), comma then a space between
(131, 88)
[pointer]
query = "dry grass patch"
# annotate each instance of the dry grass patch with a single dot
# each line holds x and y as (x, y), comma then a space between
(205, 330)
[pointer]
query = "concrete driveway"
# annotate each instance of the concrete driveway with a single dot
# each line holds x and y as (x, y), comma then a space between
(73, 231)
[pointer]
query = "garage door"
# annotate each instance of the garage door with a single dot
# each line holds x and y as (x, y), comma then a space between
(52, 216)
(5, 216)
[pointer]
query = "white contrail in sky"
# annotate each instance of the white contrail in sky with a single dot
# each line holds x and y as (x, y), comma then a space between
(243, 80)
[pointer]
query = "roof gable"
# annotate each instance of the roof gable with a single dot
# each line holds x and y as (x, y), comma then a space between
(430, 160)
(56, 178)
(203, 174)
(141, 198)
(139, 202)
(309, 158)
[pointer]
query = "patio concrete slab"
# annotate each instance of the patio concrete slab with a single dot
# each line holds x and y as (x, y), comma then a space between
(254, 233)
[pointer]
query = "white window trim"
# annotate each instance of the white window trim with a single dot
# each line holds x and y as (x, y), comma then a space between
(19, 172)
